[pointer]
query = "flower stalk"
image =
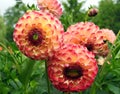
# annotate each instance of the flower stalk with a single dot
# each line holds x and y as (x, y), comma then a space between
(47, 79)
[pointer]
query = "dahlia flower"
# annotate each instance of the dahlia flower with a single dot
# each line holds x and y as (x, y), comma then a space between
(103, 36)
(84, 33)
(109, 35)
(97, 44)
(100, 41)
(83, 30)
(90, 36)
(37, 34)
(72, 68)
(52, 6)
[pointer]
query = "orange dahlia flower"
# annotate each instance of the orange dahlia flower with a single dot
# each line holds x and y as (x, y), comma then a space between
(72, 68)
(53, 6)
(37, 34)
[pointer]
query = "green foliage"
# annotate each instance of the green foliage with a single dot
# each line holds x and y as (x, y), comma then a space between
(108, 79)
(72, 12)
(11, 17)
(2, 29)
(109, 15)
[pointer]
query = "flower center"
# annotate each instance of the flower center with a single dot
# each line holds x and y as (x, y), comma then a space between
(35, 37)
(89, 46)
(73, 72)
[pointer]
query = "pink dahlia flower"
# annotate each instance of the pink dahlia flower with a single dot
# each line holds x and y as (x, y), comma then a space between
(83, 31)
(109, 35)
(90, 36)
(53, 6)
(103, 36)
(86, 34)
(37, 34)
(72, 68)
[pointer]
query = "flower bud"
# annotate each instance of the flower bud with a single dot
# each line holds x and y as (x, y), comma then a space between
(92, 12)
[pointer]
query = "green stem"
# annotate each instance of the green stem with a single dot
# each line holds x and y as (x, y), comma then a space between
(93, 89)
(86, 18)
(80, 92)
(47, 79)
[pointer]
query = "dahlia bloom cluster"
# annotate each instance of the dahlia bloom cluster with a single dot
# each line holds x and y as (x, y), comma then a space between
(70, 55)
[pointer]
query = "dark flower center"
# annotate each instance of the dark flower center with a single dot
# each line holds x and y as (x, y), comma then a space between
(35, 37)
(73, 72)
(105, 41)
(89, 46)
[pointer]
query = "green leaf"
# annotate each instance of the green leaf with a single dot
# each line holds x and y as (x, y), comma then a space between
(118, 37)
(44, 93)
(114, 89)
(19, 84)
(27, 71)
(13, 84)
(109, 44)
(4, 89)
(33, 84)
(32, 7)
(118, 55)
